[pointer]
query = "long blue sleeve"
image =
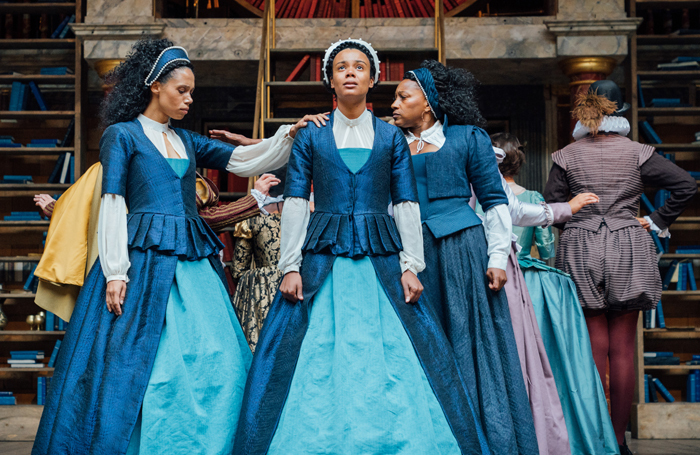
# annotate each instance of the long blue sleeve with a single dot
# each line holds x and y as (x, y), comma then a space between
(482, 169)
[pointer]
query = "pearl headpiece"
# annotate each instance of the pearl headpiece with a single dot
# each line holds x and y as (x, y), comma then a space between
(169, 55)
(361, 42)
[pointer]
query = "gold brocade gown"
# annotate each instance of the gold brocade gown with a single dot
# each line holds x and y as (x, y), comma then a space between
(256, 254)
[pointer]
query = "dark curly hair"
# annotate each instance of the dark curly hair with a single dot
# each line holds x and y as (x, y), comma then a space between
(129, 96)
(515, 157)
(456, 91)
(328, 70)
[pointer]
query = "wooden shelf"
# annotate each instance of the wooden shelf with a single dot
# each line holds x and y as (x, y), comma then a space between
(683, 369)
(668, 111)
(671, 334)
(36, 115)
(30, 335)
(681, 293)
(315, 87)
(30, 189)
(39, 79)
(20, 258)
(34, 151)
(17, 295)
(11, 371)
(413, 52)
(22, 227)
(37, 43)
(36, 8)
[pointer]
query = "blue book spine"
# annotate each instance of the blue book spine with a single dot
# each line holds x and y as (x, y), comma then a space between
(697, 385)
(647, 319)
(652, 391)
(648, 206)
(60, 28)
(30, 279)
(657, 242)
(649, 132)
(691, 388)
(639, 89)
(696, 357)
(56, 173)
(5, 394)
(663, 391)
(658, 354)
(23, 98)
(66, 29)
(54, 354)
(14, 353)
(660, 316)
(49, 321)
(692, 285)
(21, 218)
(646, 388)
(8, 401)
(26, 357)
(682, 274)
(71, 170)
(39, 398)
(37, 95)
(14, 96)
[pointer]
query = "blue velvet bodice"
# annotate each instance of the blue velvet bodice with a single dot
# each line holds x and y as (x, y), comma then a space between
(351, 216)
(162, 205)
(466, 158)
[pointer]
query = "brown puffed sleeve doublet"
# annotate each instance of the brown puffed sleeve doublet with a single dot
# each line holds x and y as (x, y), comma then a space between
(217, 216)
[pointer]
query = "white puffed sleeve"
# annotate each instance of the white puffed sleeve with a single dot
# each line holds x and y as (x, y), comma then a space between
(499, 233)
(267, 155)
(524, 213)
(407, 216)
(295, 221)
(112, 238)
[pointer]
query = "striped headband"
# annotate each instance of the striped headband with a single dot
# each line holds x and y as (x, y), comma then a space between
(169, 55)
(427, 85)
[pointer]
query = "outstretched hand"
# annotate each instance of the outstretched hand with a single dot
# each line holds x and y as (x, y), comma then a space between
(581, 201)
(412, 287)
(497, 278)
(232, 138)
(317, 119)
(265, 182)
(42, 200)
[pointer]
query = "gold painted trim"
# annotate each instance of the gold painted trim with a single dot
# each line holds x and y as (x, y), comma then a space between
(577, 65)
(102, 67)
(586, 82)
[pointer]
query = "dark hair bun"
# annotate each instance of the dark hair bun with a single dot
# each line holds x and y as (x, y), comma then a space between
(130, 96)
(515, 157)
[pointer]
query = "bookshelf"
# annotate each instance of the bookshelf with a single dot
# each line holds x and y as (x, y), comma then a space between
(675, 127)
(23, 53)
(277, 101)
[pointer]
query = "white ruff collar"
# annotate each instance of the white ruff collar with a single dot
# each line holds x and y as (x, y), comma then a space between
(433, 135)
(610, 124)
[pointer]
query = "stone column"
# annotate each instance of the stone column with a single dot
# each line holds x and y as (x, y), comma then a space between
(582, 72)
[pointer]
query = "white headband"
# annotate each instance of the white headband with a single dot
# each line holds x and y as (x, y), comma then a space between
(500, 154)
(361, 42)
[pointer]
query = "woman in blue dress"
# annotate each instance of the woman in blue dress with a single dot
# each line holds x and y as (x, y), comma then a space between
(465, 266)
(162, 366)
(350, 359)
(562, 325)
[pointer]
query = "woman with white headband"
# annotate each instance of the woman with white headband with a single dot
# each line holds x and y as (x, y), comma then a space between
(162, 366)
(350, 359)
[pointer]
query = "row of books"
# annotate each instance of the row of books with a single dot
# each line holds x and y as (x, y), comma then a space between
(20, 94)
(661, 358)
(651, 387)
(9, 142)
(54, 324)
(681, 64)
(342, 8)
(681, 273)
(42, 386)
(15, 272)
(693, 387)
(26, 359)
(45, 71)
(654, 318)
(7, 398)
(23, 216)
(37, 26)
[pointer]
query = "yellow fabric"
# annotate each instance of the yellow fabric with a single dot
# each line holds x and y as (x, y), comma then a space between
(71, 244)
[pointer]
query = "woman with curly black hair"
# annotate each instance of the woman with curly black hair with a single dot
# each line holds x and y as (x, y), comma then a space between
(437, 109)
(350, 359)
(161, 367)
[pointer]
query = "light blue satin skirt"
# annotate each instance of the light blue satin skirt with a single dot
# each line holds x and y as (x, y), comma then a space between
(565, 337)
(358, 387)
(194, 394)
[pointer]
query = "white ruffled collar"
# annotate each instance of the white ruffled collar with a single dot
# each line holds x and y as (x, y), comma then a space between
(153, 125)
(610, 124)
(433, 135)
(364, 118)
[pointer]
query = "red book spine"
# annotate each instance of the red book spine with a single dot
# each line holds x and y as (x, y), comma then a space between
(237, 184)
(375, 10)
(213, 175)
(304, 12)
(312, 10)
(228, 246)
(422, 11)
(319, 70)
(278, 7)
(382, 71)
(301, 66)
(363, 12)
(296, 8)
(407, 8)
(392, 7)
(287, 11)
(399, 71)
(312, 68)
(396, 70)
(386, 10)
(230, 182)
(387, 67)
